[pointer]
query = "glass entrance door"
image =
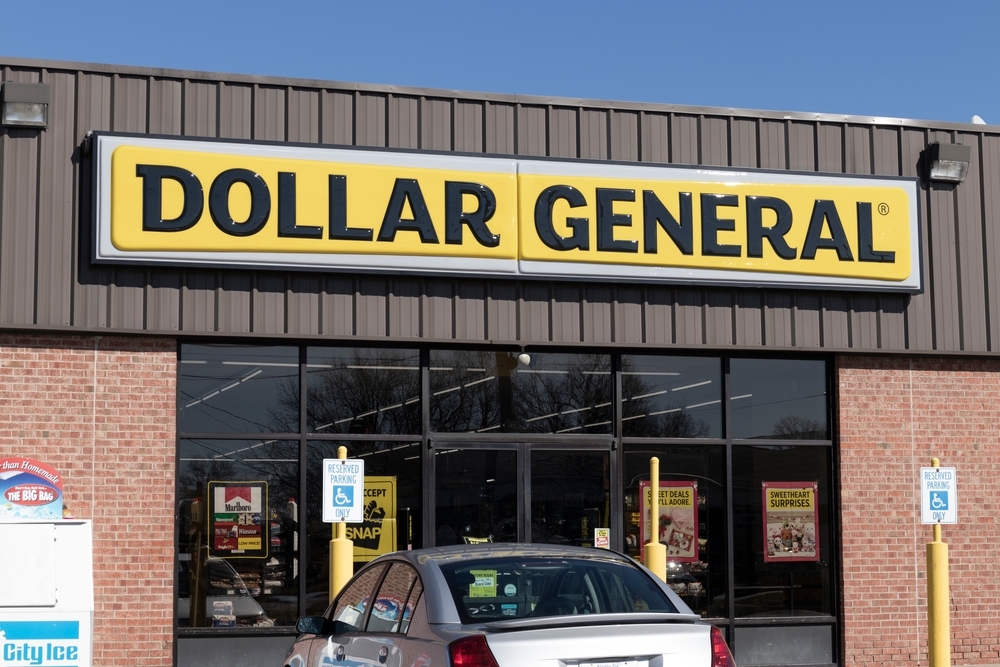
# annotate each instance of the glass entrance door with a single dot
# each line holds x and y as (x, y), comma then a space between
(521, 492)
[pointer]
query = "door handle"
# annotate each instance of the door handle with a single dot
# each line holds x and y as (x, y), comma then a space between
(383, 654)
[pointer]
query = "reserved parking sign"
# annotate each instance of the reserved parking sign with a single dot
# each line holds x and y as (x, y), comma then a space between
(343, 490)
(938, 495)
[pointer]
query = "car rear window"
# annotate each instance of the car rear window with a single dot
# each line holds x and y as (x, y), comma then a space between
(510, 587)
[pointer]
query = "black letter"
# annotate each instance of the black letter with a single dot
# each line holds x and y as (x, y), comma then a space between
(454, 216)
(607, 220)
(152, 198)
(711, 225)
(654, 212)
(757, 232)
(866, 251)
(826, 210)
(218, 202)
(338, 213)
(407, 188)
(286, 210)
(543, 219)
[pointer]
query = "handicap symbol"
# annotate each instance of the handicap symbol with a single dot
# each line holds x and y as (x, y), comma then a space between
(939, 501)
(342, 498)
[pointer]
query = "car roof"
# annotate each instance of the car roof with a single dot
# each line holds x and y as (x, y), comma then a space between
(441, 555)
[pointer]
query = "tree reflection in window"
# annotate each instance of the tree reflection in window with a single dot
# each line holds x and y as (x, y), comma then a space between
(482, 391)
(353, 390)
(671, 397)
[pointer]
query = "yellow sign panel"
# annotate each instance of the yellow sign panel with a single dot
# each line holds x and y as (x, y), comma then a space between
(376, 535)
(220, 203)
(808, 229)
(790, 499)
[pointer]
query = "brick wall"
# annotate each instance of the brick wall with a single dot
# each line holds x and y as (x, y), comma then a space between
(894, 415)
(101, 411)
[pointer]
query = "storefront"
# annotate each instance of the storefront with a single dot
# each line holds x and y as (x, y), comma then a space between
(506, 306)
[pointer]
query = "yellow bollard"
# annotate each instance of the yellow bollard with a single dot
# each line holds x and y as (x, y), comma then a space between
(938, 611)
(655, 552)
(341, 549)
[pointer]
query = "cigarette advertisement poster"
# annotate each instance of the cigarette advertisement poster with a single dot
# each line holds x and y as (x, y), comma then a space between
(791, 521)
(29, 490)
(678, 514)
(376, 535)
(238, 523)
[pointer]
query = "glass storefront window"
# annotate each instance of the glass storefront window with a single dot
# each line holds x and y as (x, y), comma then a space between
(570, 495)
(363, 390)
(782, 549)
(484, 392)
(778, 398)
(393, 501)
(671, 397)
(238, 389)
(237, 556)
(696, 536)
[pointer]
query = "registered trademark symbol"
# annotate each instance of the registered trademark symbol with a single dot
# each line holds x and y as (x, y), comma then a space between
(883, 209)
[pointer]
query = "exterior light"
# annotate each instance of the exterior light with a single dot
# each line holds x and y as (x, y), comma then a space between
(24, 104)
(948, 163)
(524, 358)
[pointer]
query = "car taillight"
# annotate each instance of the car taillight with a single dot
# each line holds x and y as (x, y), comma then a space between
(472, 651)
(721, 657)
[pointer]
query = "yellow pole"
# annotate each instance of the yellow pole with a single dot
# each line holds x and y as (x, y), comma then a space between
(655, 552)
(938, 612)
(341, 549)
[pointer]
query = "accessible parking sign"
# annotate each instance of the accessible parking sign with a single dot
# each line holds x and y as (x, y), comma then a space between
(343, 490)
(938, 495)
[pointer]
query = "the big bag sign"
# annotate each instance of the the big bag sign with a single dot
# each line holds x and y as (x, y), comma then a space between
(258, 205)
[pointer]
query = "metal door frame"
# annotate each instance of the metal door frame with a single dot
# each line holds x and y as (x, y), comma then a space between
(523, 447)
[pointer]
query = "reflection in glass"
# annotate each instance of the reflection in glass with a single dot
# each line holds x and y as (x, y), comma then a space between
(385, 462)
(778, 588)
(701, 583)
(778, 398)
(482, 392)
(357, 390)
(671, 397)
(569, 496)
(238, 389)
(476, 491)
(215, 583)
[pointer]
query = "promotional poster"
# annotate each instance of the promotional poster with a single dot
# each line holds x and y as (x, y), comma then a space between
(29, 490)
(678, 518)
(237, 525)
(791, 521)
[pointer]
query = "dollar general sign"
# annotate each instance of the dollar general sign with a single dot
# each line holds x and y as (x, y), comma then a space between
(185, 201)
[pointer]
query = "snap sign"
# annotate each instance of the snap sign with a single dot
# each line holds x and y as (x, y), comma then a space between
(938, 495)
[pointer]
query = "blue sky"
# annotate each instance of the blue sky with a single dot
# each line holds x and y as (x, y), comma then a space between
(916, 59)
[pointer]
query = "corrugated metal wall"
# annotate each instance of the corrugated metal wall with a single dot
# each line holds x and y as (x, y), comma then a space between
(46, 280)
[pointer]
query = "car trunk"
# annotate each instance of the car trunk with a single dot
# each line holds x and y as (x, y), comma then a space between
(634, 644)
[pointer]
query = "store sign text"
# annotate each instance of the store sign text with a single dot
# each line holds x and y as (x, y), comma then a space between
(190, 202)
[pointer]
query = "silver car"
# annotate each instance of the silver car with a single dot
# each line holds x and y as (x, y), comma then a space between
(507, 605)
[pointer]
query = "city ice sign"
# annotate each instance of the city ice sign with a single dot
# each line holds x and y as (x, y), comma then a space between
(938, 495)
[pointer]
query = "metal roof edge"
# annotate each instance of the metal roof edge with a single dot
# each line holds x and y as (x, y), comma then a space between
(504, 98)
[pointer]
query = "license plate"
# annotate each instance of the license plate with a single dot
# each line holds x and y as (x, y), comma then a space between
(616, 663)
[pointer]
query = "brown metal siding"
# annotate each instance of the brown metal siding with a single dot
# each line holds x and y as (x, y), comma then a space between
(46, 280)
